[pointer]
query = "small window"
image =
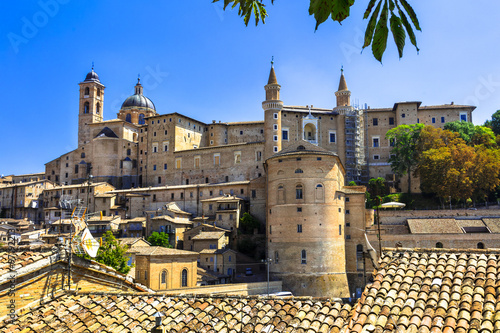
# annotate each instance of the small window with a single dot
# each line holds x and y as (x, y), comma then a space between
(184, 274)
(165, 166)
(128, 119)
(375, 121)
(299, 209)
(376, 142)
(439, 245)
(303, 259)
(154, 167)
(241, 132)
(275, 116)
(376, 157)
(142, 121)
(82, 155)
(299, 171)
(275, 127)
(87, 91)
(480, 245)
(299, 228)
(463, 116)
(442, 120)
(347, 211)
(332, 137)
(275, 138)
(275, 149)
(284, 135)
(391, 120)
(433, 120)
(392, 142)
(403, 115)
(86, 107)
(298, 192)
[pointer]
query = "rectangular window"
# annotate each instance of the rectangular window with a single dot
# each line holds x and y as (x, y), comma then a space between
(375, 121)
(155, 147)
(298, 193)
(299, 228)
(392, 142)
(254, 194)
(299, 209)
(217, 159)
(165, 145)
(237, 157)
(178, 163)
(376, 157)
(211, 142)
(165, 166)
(376, 142)
(197, 162)
(463, 116)
(442, 120)
(433, 120)
(284, 134)
(332, 136)
(303, 259)
(340, 229)
(210, 207)
(258, 156)
(154, 167)
(275, 116)
(391, 120)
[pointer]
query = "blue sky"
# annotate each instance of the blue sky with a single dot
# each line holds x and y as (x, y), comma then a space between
(200, 61)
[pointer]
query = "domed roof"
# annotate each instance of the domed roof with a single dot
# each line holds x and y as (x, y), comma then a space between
(138, 99)
(92, 77)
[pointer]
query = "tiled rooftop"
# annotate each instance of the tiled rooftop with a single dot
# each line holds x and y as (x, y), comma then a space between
(438, 290)
(135, 313)
(24, 256)
(205, 235)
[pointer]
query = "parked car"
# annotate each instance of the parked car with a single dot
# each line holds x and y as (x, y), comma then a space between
(248, 271)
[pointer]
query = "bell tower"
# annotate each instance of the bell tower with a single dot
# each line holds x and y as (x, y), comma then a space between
(343, 94)
(272, 115)
(91, 105)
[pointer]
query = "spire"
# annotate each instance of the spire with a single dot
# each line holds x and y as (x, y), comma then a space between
(342, 83)
(138, 86)
(272, 74)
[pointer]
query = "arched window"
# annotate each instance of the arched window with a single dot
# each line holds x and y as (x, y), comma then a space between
(87, 91)
(298, 192)
(98, 108)
(86, 107)
(480, 245)
(439, 245)
(281, 194)
(303, 257)
(276, 257)
(359, 257)
(184, 278)
(320, 192)
(163, 278)
(128, 118)
(299, 171)
(142, 121)
(98, 92)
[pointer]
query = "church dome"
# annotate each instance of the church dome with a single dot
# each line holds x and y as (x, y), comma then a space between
(138, 100)
(92, 77)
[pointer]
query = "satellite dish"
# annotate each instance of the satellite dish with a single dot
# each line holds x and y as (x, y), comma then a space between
(89, 244)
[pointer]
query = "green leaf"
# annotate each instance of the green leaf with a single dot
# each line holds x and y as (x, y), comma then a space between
(370, 28)
(369, 9)
(409, 29)
(322, 9)
(381, 33)
(398, 32)
(411, 13)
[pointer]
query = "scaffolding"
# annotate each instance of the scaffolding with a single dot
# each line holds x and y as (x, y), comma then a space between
(356, 165)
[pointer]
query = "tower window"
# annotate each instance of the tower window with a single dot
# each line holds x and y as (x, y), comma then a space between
(86, 107)
(184, 277)
(98, 92)
(298, 192)
(87, 91)
(98, 108)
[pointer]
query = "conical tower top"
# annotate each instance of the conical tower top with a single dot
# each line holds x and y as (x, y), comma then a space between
(342, 83)
(272, 74)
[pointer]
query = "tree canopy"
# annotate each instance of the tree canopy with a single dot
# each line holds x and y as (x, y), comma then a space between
(404, 139)
(248, 223)
(383, 15)
(159, 239)
(494, 123)
(112, 253)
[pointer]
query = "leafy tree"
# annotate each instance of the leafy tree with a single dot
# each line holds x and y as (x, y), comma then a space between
(484, 136)
(464, 129)
(112, 254)
(404, 152)
(159, 239)
(352, 183)
(248, 223)
(494, 123)
(376, 187)
(382, 15)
